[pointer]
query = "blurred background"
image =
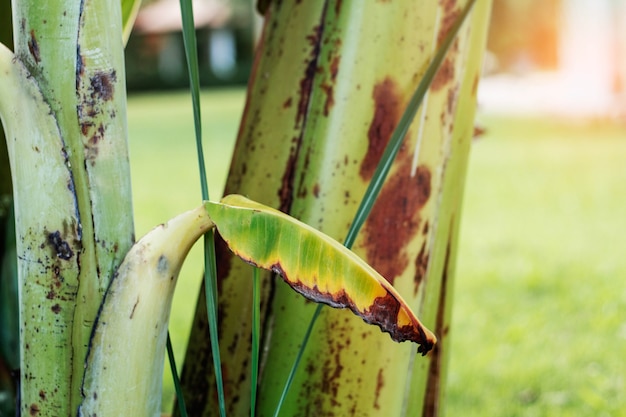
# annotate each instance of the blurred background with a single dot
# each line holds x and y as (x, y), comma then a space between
(539, 321)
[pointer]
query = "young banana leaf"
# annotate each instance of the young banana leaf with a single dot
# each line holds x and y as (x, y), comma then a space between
(316, 266)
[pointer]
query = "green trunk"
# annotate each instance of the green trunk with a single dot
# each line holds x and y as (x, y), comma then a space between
(63, 106)
(330, 83)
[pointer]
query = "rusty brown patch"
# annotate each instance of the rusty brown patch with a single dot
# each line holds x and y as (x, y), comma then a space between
(387, 112)
(395, 219)
(33, 410)
(450, 15)
(102, 85)
(56, 309)
(33, 47)
(445, 74)
(338, 4)
(287, 103)
(306, 83)
(316, 190)
(380, 383)
(328, 88)
(330, 100)
(285, 193)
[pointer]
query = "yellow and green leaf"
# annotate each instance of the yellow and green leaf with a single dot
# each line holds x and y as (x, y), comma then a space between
(316, 266)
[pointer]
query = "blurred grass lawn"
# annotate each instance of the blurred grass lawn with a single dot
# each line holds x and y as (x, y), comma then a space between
(539, 325)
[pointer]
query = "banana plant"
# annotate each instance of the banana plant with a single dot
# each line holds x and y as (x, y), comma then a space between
(93, 303)
(329, 84)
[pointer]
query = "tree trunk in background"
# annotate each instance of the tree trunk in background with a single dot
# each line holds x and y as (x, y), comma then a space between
(330, 82)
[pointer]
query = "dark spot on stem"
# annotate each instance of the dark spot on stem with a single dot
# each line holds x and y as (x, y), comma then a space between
(285, 194)
(163, 264)
(380, 382)
(80, 65)
(316, 190)
(61, 247)
(132, 313)
(33, 46)
(102, 85)
(421, 265)
(33, 410)
(306, 83)
(328, 87)
(56, 309)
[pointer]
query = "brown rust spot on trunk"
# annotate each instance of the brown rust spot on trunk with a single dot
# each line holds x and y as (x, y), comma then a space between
(380, 383)
(445, 74)
(387, 112)
(285, 193)
(306, 83)
(421, 265)
(328, 87)
(395, 219)
(447, 71)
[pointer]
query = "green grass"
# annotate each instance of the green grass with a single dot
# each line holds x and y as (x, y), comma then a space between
(539, 325)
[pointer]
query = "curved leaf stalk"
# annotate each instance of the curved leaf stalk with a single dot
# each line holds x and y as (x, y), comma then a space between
(124, 368)
(73, 54)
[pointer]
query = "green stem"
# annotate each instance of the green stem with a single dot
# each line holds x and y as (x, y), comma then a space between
(179, 392)
(256, 334)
